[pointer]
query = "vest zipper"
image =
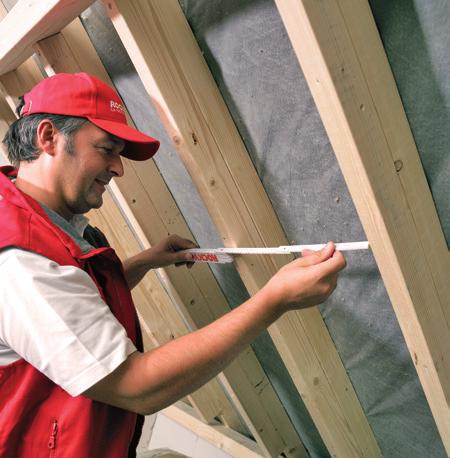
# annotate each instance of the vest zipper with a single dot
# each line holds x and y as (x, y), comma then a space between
(52, 440)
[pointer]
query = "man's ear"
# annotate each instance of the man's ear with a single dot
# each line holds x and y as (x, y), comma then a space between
(46, 137)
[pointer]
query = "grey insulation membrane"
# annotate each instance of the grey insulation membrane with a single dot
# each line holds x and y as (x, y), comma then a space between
(249, 54)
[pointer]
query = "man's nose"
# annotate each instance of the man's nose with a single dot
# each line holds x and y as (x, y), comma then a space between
(116, 165)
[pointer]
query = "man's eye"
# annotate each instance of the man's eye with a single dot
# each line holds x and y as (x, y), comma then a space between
(107, 151)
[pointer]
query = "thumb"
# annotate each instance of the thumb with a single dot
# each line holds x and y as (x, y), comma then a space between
(181, 257)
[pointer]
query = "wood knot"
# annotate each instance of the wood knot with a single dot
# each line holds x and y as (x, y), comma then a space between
(398, 165)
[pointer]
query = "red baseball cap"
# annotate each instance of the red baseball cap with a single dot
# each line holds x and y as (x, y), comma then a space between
(83, 95)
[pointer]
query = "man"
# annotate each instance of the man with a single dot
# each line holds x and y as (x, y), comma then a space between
(73, 376)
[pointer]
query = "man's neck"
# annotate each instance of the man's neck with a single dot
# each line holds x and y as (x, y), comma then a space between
(34, 185)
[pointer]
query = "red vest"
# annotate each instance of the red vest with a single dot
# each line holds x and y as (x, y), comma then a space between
(37, 417)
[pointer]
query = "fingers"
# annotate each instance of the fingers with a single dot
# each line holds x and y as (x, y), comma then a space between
(325, 263)
(181, 257)
(327, 251)
(178, 243)
(333, 265)
(311, 257)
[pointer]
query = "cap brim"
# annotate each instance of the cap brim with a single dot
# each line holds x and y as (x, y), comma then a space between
(139, 146)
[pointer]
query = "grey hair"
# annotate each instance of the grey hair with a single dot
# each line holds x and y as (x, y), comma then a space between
(20, 139)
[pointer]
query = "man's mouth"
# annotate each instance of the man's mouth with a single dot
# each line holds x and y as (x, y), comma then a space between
(102, 182)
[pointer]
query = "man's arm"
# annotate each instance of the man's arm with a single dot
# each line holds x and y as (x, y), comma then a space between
(163, 254)
(147, 382)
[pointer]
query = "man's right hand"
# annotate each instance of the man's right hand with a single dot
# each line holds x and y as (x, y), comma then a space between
(307, 281)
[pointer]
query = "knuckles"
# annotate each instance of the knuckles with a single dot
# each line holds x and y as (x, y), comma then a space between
(327, 289)
(341, 261)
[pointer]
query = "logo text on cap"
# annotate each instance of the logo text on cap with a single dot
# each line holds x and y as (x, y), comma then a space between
(114, 106)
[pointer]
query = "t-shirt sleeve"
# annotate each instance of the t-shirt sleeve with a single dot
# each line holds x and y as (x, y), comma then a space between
(54, 318)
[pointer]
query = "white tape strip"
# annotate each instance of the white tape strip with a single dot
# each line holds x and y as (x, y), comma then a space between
(346, 246)
(223, 255)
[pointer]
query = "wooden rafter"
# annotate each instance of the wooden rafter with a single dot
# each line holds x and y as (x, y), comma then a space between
(31, 21)
(343, 59)
(16, 82)
(12, 85)
(167, 58)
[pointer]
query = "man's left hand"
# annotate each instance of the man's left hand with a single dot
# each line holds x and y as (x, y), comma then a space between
(168, 251)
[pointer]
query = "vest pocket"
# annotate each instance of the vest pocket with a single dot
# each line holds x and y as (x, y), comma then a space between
(52, 438)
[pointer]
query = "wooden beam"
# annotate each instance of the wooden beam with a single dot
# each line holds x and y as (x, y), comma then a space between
(344, 62)
(16, 83)
(6, 119)
(70, 51)
(6, 114)
(30, 21)
(221, 437)
(170, 64)
(12, 85)
(200, 296)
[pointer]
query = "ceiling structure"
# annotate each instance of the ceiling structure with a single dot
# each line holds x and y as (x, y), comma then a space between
(281, 122)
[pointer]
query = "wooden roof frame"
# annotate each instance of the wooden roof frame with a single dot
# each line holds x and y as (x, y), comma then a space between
(180, 85)
(350, 79)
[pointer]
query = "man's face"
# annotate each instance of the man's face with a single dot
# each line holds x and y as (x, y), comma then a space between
(83, 174)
